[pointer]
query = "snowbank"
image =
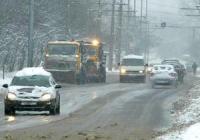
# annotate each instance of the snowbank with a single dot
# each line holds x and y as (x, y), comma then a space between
(6, 80)
(191, 133)
(187, 117)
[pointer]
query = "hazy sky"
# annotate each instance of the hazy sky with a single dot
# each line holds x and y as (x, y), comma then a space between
(171, 41)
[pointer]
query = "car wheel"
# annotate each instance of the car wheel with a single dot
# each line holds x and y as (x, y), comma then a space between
(9, 111)
(52, 111)
(121, 80)
(153, 85)
(58, 108)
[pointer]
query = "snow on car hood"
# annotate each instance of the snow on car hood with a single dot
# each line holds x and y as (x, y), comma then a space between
(22, 91)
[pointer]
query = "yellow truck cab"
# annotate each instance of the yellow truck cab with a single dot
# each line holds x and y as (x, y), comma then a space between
(63, 60)
(95, 61)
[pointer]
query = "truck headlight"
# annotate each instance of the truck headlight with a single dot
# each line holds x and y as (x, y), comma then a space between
(45, 97)
(123, 71)
(11, 96)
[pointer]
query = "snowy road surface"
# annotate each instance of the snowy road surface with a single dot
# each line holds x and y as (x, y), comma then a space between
(111, 111)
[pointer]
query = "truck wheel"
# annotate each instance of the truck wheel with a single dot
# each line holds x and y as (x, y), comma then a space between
(104, 79)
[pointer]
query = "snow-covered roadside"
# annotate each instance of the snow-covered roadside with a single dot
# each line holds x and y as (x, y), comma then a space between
(6, 80)
(190, 133)
(187, 123)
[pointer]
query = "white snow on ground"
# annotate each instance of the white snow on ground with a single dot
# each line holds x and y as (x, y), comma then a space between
(188, 116)
(191, 133)
(6, 80)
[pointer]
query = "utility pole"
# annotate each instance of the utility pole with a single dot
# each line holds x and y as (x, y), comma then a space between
(147, 35)
(135, 7)
(30, 37)
(128, 27)
(120, 32)
(112, 34)
(98, 33)
(68, 16)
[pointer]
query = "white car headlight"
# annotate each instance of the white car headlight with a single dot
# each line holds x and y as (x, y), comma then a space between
(123, 71)
(11, 96)
(141, 71)
(45, 97)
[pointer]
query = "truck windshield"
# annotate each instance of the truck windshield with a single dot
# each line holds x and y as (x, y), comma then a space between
(133, 62)
(62, 49)
(91, 52)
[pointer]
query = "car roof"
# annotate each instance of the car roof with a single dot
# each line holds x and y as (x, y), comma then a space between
(133, 57)
(32, 71)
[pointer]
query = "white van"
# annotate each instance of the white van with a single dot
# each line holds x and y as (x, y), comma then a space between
(132, 68)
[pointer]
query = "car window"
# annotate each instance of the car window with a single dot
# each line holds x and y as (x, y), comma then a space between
(132, 62)
(34, 80)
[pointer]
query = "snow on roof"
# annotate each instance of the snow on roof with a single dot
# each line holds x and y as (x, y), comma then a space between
(63, 42)
(32, 71)
(133, 57)
(164, 65)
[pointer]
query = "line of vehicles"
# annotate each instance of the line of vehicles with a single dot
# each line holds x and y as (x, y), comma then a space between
(168, 72)
(79, 62)
(76, 61)
(35, 89)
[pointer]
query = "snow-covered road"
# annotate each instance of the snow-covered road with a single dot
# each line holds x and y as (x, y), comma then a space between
(113, 109)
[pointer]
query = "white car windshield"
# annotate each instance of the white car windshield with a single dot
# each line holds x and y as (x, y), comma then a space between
(132, 62)
(35, 80)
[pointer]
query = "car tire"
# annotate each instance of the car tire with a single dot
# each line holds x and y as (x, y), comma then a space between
(52, 111)
(58, 108)
(153, 85)
(9, 111)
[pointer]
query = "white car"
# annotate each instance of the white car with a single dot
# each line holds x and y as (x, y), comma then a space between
(163, 75)
(132, 68)
(32, 89)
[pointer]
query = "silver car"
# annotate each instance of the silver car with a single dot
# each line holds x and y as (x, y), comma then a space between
(32, 89)
(163, 75)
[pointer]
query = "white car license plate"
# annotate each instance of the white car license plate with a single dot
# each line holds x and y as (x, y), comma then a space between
(28, 103)
(162, 81)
